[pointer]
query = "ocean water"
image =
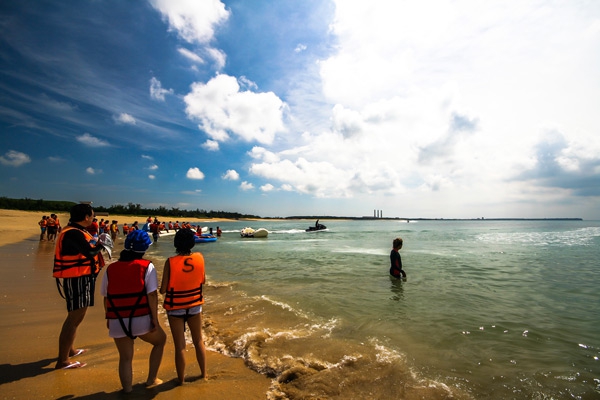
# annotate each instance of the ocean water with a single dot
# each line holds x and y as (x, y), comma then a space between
(489, 310)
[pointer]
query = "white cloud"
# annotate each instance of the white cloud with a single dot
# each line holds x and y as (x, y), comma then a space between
(156, 90)
(93, 171)
(14, 158)
(190, 55)
(211, 145)
(151, 176)
(91, 141)
(147, 157)
(194, 21)
(195, 173)
(300, 48)
(223, 110)
(153, 167)
(267, 187)
(231, 175)
(124, 118)
(429, 103)
(246, 186)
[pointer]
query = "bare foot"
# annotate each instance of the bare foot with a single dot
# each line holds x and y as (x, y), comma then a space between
(156, 382)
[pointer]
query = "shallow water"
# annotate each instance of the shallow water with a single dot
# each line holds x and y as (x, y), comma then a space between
(490, 309)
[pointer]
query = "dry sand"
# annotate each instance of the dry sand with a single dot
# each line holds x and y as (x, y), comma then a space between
(33, 312)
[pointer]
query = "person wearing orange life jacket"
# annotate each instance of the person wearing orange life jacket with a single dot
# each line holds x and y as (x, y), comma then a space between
(183, 277)
(52, 228)
(43, 224)
(130, 287)
(77, 262)
(125, 229)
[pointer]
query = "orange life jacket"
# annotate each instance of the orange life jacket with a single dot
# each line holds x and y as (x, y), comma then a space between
(186, 276)
(43, 223)
(73, 266)
(50, 222)
(126, 292)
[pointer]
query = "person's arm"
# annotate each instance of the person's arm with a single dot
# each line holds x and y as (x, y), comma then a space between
(165, 277)
(74, 242)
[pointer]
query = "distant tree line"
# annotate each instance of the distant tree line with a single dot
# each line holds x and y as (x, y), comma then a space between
(129, 209)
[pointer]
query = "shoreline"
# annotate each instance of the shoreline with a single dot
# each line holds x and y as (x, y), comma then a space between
(33, 313)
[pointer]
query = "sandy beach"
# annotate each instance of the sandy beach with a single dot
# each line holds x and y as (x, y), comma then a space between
(33, 313)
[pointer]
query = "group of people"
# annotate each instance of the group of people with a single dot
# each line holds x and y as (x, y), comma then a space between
(130, 290)
(49, 227)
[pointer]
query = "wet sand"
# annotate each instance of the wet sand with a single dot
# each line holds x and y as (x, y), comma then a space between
(32, 315)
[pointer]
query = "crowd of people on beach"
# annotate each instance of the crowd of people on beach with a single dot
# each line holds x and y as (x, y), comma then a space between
(130, 290)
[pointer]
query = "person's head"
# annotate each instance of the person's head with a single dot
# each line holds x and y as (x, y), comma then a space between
(137, 241)
(397, 243)
(82, 214)
(184, 240)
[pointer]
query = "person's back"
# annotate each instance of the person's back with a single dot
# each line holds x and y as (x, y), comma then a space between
(395, 260)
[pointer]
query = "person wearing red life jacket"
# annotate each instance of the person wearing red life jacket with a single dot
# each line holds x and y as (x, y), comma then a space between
(183, 276)
(77, 262)
(130, 290)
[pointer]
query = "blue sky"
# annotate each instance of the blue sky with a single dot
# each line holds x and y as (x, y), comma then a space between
(441, 109)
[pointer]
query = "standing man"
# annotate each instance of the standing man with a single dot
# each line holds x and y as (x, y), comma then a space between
(77, 262)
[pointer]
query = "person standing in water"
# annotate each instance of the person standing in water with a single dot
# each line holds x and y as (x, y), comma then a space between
(396, 261)
(183, 276)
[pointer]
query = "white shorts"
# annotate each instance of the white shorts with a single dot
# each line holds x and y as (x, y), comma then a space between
(139, 326)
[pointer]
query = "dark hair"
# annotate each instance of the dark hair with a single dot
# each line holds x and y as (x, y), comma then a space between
(128, 255)
(80, 211)
(184, 240)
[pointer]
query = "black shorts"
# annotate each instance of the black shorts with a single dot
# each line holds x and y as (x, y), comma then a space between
(79, 292)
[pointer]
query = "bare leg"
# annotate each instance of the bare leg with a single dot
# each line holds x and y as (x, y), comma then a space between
(157, 338)
(178, 332)
(125, 347)
(67, 336)
(195, 324)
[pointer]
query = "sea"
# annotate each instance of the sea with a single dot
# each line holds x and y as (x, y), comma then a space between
(505, 309)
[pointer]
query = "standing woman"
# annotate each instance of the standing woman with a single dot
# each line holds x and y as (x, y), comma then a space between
(183, 276)
(130, 288)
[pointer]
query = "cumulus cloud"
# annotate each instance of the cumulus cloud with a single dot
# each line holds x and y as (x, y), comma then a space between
(153, 167)
(91, 141)
(124, 118)
(147, 157)
(194, 21)
(300, 48)
(195, 173)
(231, 175)
(14, 158)
(246, 186)
(267, 187)
(565, 165)
(211, 145)
(151, 177)
(157, 92)
(223, 110)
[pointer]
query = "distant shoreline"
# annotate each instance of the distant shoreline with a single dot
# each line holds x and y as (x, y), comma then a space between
(429, 219)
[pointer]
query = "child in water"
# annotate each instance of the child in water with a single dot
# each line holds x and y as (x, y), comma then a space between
(396, 261)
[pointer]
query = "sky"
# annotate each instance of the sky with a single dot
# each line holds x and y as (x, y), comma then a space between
(418, 109)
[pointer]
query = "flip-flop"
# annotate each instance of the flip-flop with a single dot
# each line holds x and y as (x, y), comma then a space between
(73, 365)
(78, 352)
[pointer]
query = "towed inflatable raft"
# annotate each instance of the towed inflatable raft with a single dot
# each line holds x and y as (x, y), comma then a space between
(251, 233)
(205, 239)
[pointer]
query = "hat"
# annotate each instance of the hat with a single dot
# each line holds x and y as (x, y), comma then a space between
(137, 241)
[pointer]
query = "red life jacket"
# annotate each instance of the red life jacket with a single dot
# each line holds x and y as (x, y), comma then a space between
(74, 266)
(126, 291)
(186, 276)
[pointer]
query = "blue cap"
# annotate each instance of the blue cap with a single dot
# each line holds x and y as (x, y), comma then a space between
(137, 241)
